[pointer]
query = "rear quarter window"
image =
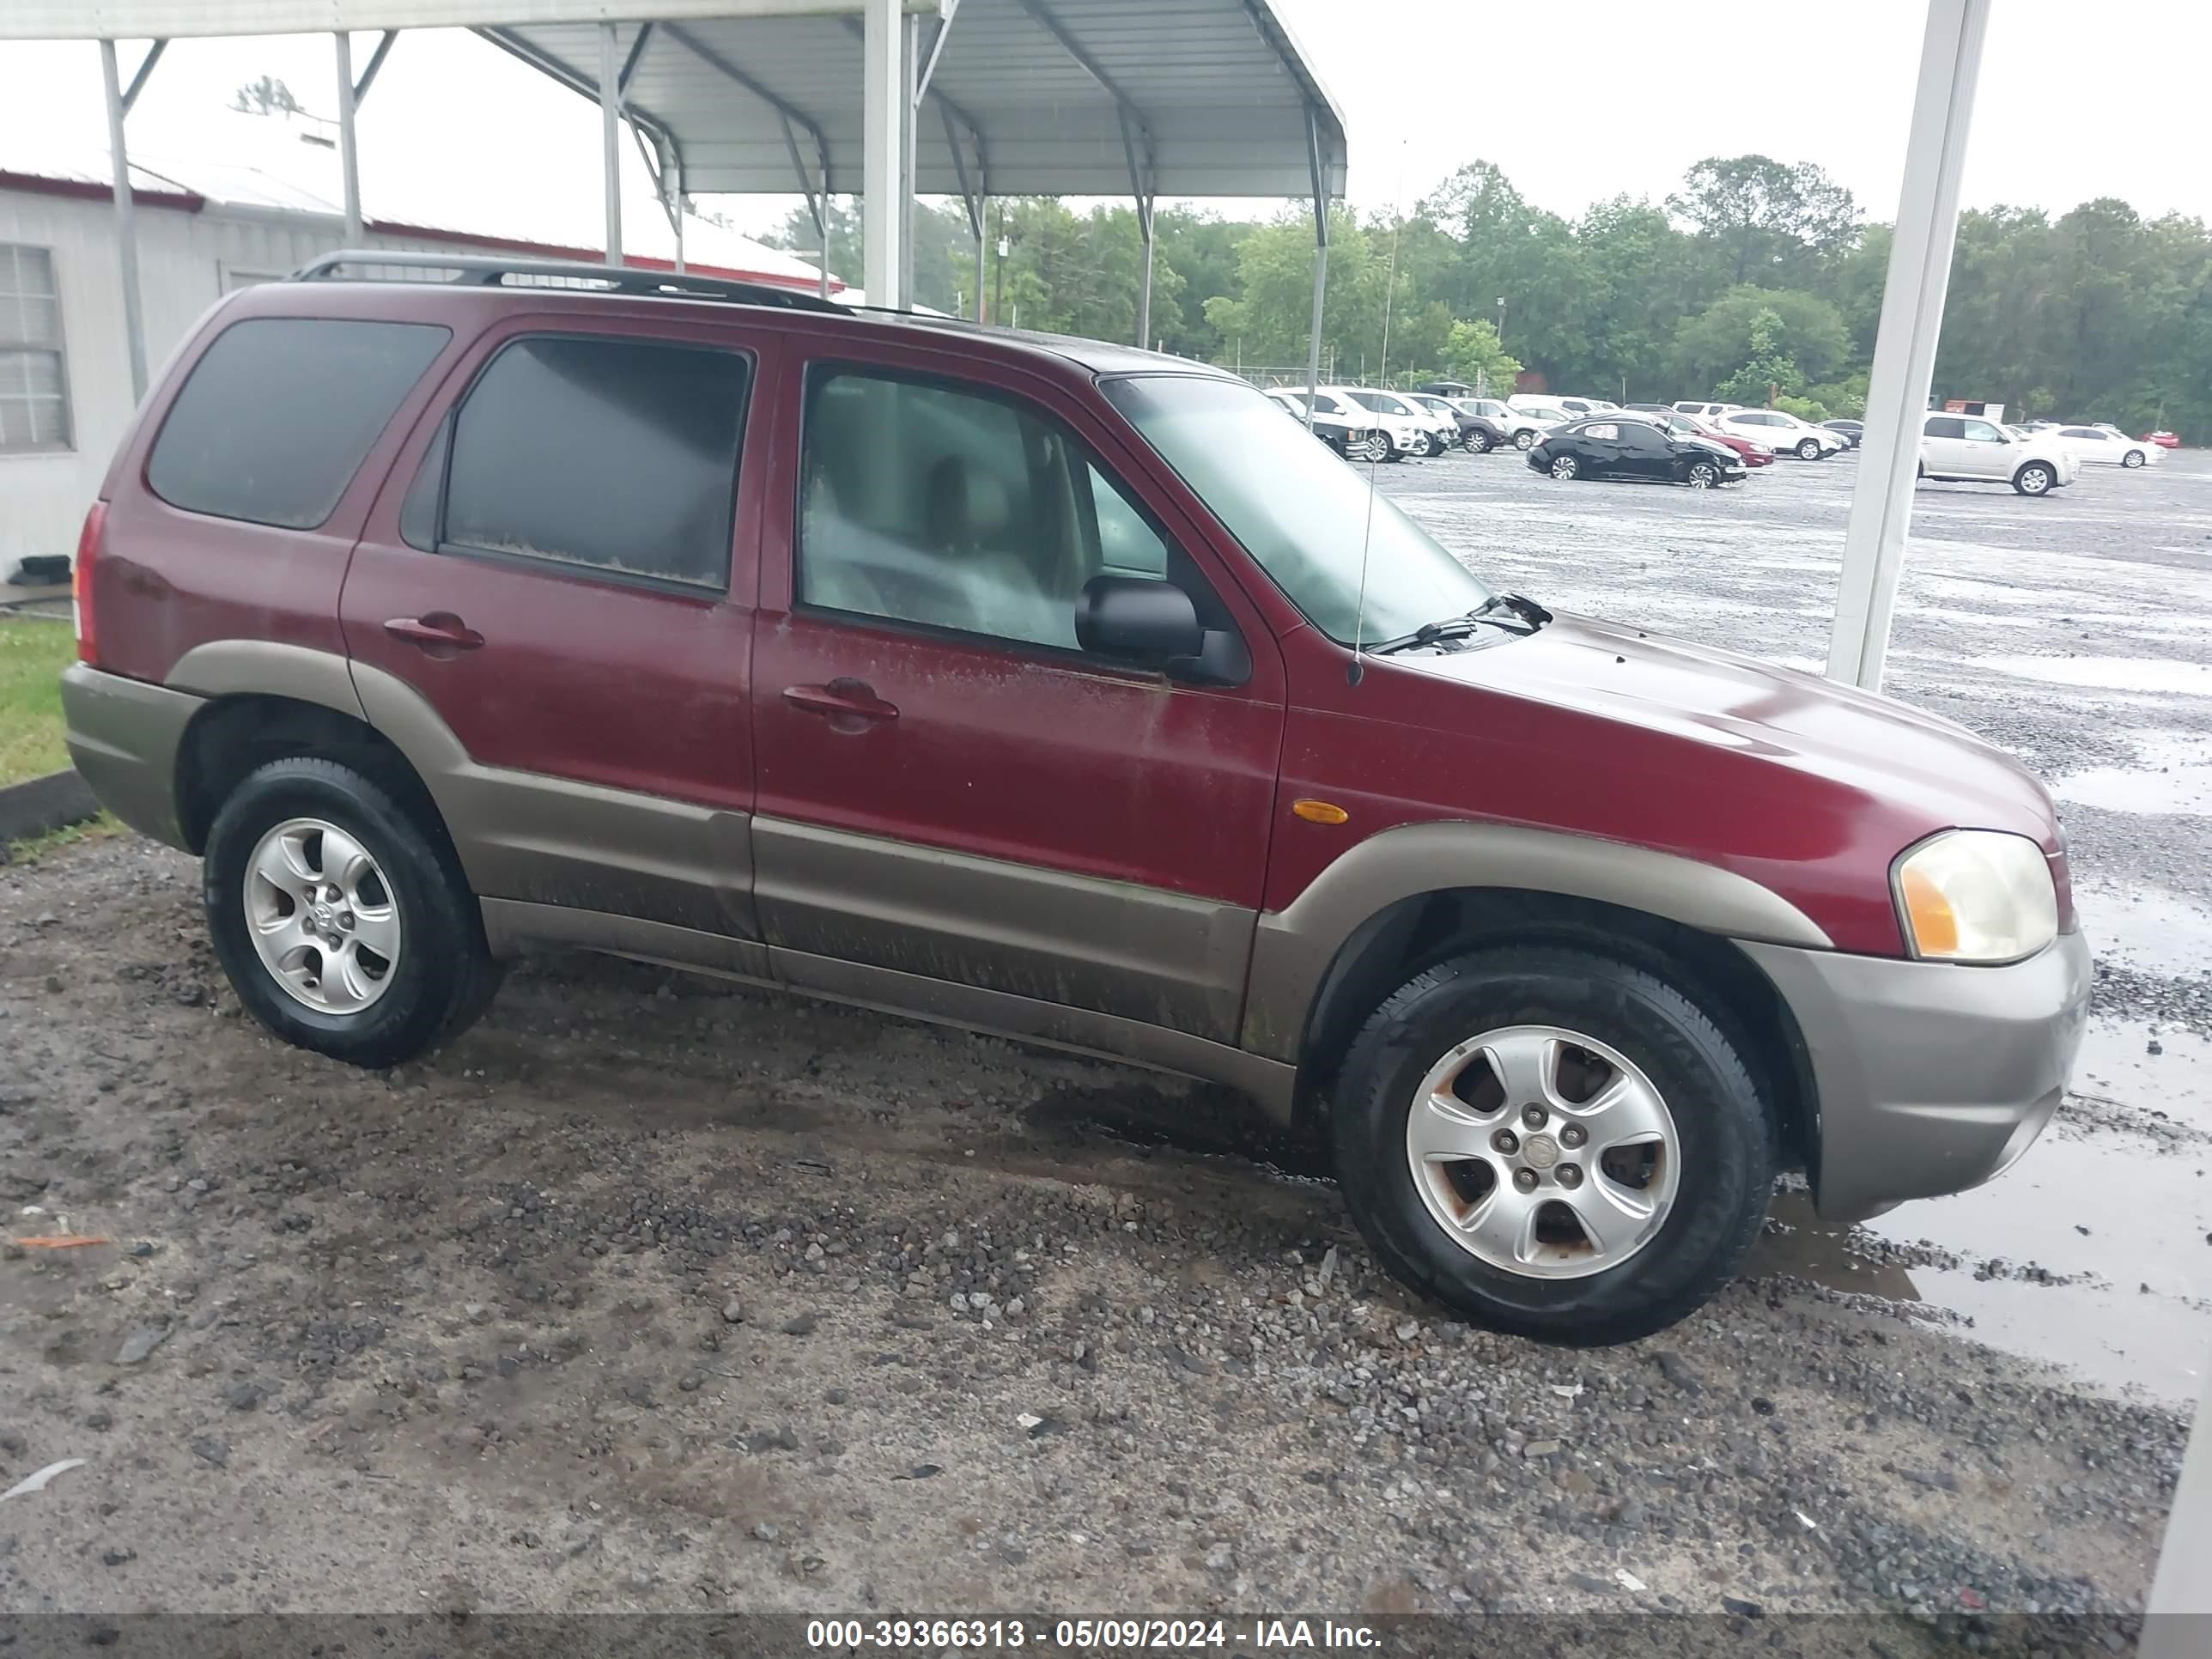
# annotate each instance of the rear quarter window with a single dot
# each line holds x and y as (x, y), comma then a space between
(279, 412)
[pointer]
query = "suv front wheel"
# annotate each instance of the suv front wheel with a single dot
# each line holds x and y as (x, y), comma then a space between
(343, 928)
(1553, 1143)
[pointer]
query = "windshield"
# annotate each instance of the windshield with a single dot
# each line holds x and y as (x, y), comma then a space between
(1302, 516)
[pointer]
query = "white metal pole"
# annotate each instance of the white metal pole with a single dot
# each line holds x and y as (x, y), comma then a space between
(349, 156)
(126, 228)
(1145, 288)
(1905, 347)
(611, 137)
(2180, 1610)
(885, 102)
(909, 149)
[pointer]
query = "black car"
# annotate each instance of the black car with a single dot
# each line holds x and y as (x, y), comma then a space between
(1607, 447)
(1849, 431)
(1354, 443)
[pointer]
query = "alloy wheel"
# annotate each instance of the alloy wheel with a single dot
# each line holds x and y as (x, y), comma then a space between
(1702, 476)
(322, 917)
(1543, 1152)
(1564, 467)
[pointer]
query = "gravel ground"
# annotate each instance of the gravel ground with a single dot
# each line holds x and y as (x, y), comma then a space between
(653, 1294)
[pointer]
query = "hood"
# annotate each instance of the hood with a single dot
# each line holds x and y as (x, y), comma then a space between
(1795, 725)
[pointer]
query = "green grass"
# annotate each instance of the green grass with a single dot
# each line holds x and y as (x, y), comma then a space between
(34, 651)
(37, 846)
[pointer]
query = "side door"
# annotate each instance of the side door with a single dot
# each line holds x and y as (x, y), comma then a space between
(2088, 444)
(961, 809)
(1943, 446)
(1984, 451)
(1643, 452)
(545, 614)
(1598, 443)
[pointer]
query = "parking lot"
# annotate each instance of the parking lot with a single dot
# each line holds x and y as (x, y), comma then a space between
(653, 1293)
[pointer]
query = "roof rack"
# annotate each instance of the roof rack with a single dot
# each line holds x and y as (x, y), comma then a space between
(481, 270)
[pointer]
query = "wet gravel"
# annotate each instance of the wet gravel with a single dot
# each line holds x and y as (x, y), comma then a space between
(651, 1293)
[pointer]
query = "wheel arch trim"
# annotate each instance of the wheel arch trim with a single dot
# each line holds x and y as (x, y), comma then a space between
(1295, 947)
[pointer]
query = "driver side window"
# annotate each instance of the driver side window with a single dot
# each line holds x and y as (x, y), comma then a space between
(923, 504)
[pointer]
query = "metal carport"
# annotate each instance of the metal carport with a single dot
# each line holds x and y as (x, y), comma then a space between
(1189, 98)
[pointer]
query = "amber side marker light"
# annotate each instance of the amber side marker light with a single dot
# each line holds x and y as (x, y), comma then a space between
(1319, 812)
(1934, 924)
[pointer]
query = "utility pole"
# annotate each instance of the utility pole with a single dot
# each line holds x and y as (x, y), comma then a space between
(998, 276)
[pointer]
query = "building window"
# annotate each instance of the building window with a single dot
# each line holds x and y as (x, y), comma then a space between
(34, 413)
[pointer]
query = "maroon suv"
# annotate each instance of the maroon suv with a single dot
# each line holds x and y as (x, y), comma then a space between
(1012, 682)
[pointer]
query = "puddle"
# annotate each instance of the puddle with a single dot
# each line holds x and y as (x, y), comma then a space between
(2147, 927)
(2183, 788)
(2151, 674)
(2129, 1303)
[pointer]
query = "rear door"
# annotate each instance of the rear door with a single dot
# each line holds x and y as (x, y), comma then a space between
(952, 792)
(1943, 446)
(545, 613)
(1643, 452)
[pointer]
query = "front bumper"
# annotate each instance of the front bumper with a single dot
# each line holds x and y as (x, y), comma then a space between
(124, 735)
(1930, 1077)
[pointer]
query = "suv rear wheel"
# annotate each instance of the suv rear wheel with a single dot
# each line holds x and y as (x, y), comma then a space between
(1553, 1143)
(343, 927)
(2035, 479)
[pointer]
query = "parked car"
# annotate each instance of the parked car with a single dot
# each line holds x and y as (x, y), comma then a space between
(2104, 445)
(1354, 442)
(1851, 432)
(2163, 439)
(1784, 434)
(1750, 451)
(1432, 433)
(1526, 423)
(1403, 434)
(1058, 690)
(1475, 432)
(1966, 448)
(1618, 447)
(1574, 408)
(1706, 411)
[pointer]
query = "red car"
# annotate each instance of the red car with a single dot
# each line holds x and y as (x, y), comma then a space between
(1753, 454)
(1056, 689)
(2163, 440)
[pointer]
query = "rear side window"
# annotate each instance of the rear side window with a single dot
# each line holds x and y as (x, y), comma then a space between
(618, 455)
(279, 413)
(1945, 426)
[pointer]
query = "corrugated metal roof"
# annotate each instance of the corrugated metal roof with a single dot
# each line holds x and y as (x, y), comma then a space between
(1216, 93)
(137, 20)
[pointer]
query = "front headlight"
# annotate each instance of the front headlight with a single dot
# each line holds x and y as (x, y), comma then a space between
(1976, 895)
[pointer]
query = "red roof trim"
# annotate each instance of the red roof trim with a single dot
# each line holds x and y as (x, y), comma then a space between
(591, 255)
(83, 190)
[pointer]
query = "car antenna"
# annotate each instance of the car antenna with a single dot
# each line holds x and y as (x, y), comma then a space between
(1357, 669)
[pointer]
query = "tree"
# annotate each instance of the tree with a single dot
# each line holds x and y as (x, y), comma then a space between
(1471, 350)
(266, 96)
(1768, 371)
(1719, 340)
(1766, 219)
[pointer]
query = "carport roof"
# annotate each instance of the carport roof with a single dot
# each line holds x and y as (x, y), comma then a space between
(1215, 95)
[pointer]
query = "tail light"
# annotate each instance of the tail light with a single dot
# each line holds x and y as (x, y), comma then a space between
(88, 542)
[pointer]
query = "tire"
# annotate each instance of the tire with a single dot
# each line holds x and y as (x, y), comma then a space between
(1424, 446)
(2035, 479)
(1723, 1144)
(2133, 458)
(1701, 475)
(439, 976)
(1481, 443)
(1566, 468)
(1524, 441)
(1809, 449)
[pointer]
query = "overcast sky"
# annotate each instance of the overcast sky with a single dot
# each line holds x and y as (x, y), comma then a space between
(1574, 102)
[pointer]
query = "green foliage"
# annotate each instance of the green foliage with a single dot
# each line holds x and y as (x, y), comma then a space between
(2094, 315)
(1471, 349)
(1805, 408)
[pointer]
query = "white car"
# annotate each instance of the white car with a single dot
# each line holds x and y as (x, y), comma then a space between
(1577, 408)
(1785, 435)
(1359, 439)
(1966, 447)
(1707, 411)
(1526, 423)
(1407, 435)
(1433, 434)
(2105, 445)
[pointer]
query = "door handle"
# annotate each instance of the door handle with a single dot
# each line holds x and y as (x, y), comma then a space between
(441, 633)
(843, 700)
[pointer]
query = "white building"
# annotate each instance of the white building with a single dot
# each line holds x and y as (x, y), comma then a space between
(257, 198)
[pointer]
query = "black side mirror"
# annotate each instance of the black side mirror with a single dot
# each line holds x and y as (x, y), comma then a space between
(1154, 623)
